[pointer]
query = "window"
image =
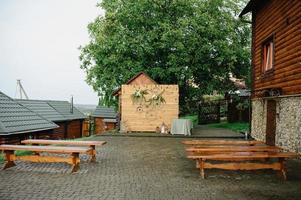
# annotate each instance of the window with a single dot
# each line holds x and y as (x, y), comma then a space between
(268, 55)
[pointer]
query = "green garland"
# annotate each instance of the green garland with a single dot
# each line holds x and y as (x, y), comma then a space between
(138, 97)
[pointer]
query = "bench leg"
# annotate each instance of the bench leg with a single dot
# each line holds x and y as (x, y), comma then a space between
(282, 171)
(201, 166)
(9, 156)
(197, 164)
(93, 154)
(75, 162)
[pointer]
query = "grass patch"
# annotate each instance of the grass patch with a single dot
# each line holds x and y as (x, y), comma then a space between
(193, 118)
(237, 126)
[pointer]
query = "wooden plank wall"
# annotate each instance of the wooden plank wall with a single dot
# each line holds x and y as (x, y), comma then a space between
(74, 129)
(283, 20)
(110, 126)
(60, 132)
(142, 80)
(148, 118)
(86, 128)
(17, 138)
(99, 125)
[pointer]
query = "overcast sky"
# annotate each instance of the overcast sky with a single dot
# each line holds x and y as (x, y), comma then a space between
(39, 42)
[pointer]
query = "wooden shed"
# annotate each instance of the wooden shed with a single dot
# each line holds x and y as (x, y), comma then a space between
(73, 118)
(104, 119)
(68, 118)
(17, 122)
(45, 110)
(139, 79)
(276, 71)
(145, 105)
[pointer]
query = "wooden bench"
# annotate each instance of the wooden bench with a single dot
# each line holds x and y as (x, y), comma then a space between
(222, 142)
(209, 150)
(278, 165)
(9, 151)
(91, 144)
(221, 149)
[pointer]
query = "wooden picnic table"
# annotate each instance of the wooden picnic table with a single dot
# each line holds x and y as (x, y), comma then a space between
(9, 151)
(91, 144)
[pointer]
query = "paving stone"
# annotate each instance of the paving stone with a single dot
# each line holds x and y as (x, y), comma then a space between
(143, 168)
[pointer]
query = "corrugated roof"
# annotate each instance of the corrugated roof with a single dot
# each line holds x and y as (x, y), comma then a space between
(104, 112)
(64, 108)
(16, 118)
(42, 108)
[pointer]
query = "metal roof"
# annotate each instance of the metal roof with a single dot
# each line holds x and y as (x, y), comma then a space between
(42, 108)
(104, 112)
(16, 118)
(64, 108)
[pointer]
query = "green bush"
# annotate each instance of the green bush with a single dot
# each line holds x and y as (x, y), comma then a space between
(193, 118)
(237, 126)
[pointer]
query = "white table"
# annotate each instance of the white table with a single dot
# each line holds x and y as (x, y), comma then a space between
(181, 127)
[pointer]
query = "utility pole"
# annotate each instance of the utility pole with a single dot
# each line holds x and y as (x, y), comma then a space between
(71, 104)
(20, 91)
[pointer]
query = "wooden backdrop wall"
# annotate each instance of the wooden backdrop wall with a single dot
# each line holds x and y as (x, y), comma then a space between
(140, 118)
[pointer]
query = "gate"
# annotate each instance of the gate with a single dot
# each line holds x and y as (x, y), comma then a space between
(209, 112)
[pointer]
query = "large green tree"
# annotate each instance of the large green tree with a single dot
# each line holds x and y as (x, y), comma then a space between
(193, 43)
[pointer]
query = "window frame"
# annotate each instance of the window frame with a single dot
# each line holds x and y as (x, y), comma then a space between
(264, 69)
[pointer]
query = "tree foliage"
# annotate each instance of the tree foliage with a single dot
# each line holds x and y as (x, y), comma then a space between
(193, 43)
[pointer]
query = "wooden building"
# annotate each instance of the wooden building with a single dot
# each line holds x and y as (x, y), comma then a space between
(139, 79)
(68, 118)
(73, 118)
(104, 119)
(276, 71)
(145, 105)
(17, 122)
(45, 110)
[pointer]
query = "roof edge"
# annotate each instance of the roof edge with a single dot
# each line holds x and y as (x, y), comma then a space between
(247, 9)
(115, 93)
(30, 131)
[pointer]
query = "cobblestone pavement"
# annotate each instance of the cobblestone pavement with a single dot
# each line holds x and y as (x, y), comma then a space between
(144, 168)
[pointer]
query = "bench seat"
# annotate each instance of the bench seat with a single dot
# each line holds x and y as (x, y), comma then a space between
(91, 144)
(222, 142)
(221, 149)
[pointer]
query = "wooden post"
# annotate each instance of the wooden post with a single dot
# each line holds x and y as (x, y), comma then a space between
(201, 166)
(92, 154)
(282, 168)
(9, 156)
(75, 162)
